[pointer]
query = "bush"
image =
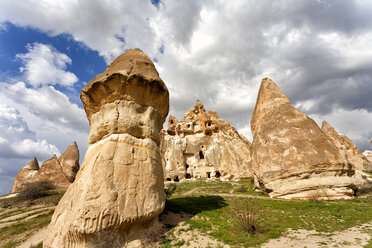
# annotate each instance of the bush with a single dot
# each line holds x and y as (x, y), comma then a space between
(242, 189)
(169, 190)
(247, 214)
(31, 191)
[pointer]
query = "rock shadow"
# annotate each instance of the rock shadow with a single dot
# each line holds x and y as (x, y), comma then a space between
(181, 209)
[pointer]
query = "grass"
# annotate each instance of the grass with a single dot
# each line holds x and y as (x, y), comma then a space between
(211, 187)
(279, 215)
(25, 228)
(51, 198)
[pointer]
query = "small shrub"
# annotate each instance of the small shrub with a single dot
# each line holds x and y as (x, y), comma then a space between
(314, 196)
(35, 190)
(248, 215)
(169, 190)
(242, 189)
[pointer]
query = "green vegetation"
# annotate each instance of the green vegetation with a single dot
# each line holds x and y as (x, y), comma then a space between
(49, 198)
(35, 190)
(169, 190)
(19, 231)
(214, 212)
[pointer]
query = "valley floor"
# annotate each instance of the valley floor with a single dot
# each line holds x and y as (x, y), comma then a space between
(202, 213)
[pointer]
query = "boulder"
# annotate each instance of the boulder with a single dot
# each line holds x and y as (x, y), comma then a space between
(60, 172)
(291, 156)
(204, 145)
(346, 147)
(119, 190)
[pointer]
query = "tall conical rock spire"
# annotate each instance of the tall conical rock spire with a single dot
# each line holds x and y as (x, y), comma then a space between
(292, 157)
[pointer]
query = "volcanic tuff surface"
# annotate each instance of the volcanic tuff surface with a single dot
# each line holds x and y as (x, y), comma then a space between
(120, 189)
(204, 145)
(346, 147)
(60, 172)
(292, 157)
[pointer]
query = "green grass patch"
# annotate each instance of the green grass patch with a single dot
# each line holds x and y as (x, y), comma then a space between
(213, 217)
(25, 227)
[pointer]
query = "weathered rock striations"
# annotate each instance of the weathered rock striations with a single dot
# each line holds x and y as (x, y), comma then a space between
(292, 157)
(60, 172)
(204, 145)
(346, 147)
(119, 190)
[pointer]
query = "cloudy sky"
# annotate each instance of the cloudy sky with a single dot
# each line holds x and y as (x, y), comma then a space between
(318, 52)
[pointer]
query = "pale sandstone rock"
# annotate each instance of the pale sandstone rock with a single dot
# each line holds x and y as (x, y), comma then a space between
(368, 155)
(119, 190)
(346, 147)
(69, 162)
(204, 145)
(60, 172)
(292, 157)
(26, 175)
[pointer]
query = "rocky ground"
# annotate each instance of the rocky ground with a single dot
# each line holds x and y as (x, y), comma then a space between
(198, 214)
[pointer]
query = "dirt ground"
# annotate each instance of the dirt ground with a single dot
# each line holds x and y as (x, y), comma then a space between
(354, 237)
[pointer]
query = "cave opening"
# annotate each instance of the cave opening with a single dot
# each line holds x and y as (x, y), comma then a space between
(187, 166)
(201, 154)
(218, 174)
(176, 179)
(188, 176)
(208, 175)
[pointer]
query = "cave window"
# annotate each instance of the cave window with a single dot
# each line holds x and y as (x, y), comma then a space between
(187, 166)
(209, 124)
(208, 175)
(176, 179)
(188, 176)
(202, 146)
(218, 174)
(169, 179)
(171, 121)
(201, 155)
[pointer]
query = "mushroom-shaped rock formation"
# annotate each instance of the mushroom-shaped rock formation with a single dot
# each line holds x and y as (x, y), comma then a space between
(292, 157)
(69, 162)
(346, 147)
(119, 190)
(204, 145)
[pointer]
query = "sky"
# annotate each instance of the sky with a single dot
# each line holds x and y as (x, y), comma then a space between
(318, 52)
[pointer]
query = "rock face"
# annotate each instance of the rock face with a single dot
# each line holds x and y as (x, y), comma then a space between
(70, 161)
(60, 172)
(346, 147)
(292, 157)
(368, 155)
(119, 189)
(204, 146)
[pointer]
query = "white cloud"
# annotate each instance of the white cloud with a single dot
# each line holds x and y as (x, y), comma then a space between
(44, 65)
(17, 140)
(32, 148)
(49, 104)
(355, 124)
